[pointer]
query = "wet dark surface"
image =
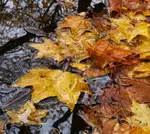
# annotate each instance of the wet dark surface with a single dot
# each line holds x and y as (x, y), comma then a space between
(16, 57)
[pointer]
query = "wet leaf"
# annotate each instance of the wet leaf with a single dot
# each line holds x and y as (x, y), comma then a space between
(142, 70)
(141, 28)
(46, 83)
(27, 114)
(141, 115)
(137, 89)
(140, 130)
(49, 49)
(125, 30)
(144, 49)
(103, 52)
(125, 5)
(81, 66)
(73, 33)
(115, 5)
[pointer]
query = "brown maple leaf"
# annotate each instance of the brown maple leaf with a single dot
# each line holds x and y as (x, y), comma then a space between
(103, 52)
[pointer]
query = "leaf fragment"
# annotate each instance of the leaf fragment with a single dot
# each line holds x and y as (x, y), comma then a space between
(28, 114)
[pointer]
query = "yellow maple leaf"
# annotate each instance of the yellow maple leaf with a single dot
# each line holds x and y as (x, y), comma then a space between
(27, 114)
(49, 49)
(144, 49)
(141, 28)
(142, 70)
(46, 83)
(73, 32)
(125, 30)
(141, 115)
(136, 16)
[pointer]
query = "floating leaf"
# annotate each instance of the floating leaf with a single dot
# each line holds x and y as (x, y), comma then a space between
(46, 83)
(27, 114)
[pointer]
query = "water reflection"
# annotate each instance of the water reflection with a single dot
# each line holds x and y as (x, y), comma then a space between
(17, 14)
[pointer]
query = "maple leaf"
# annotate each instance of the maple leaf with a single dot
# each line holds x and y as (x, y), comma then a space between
(141, 70)
(140, 130)
(137, 89)
(125, 5)
(115, 5)
(141, 115)
(49, 49)
(136, 5)
(27, 114)
(144, 49)
(125, 30)
(141, 28)
(136, 16)
(46, 83)
(73, 32)
(103, 52)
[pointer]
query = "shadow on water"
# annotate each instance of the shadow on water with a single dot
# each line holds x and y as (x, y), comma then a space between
(17, 19)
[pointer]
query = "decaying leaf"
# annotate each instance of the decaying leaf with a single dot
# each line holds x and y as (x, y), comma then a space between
(142, 70)
(28, 114)
(73, 32)
(103, 52)
(141, 115)
(125, 5)
(46, 83)
(137, 89)
(49, 49)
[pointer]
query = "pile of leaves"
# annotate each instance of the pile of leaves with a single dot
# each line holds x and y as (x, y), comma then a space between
(117, 46)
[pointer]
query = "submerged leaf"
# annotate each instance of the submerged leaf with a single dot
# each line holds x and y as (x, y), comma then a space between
(46, 83)
(27, 114)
